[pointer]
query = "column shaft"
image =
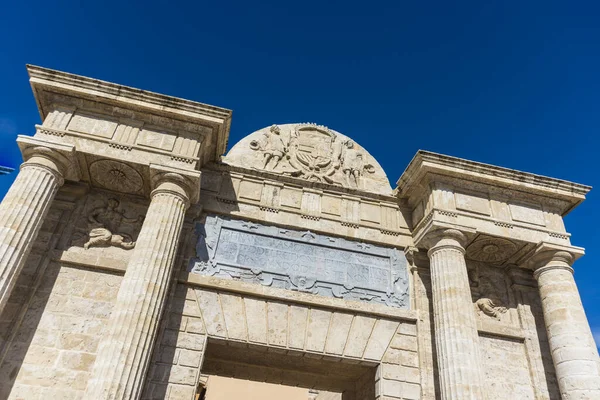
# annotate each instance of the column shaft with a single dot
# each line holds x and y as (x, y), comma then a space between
(572, 345)
(123, 356)
(22, 213)
(456, 338)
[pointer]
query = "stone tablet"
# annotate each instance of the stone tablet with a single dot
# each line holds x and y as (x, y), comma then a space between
(301, 261)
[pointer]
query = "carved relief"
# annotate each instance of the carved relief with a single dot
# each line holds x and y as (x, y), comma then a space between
(105, 228)
(312, 152)
(272, 146)
(492, 250)
(490, 308)
(489, 290)
(301, 261)
(117, 176)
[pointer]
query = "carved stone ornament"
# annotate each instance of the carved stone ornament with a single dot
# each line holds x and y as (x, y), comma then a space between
(489, 290)
(104, 228)
(490, 307)
(312, 152)
(492, 250)
(315, 153)
(301, 261)
(117, 176)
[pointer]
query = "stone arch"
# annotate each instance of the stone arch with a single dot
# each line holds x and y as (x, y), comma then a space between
(272, 336)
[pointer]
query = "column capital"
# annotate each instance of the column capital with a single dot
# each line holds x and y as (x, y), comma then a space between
(179, 182)
(437, 237)
(555, 260)
(447, 239)
(548, 256)
(59, 159)
(433, 231)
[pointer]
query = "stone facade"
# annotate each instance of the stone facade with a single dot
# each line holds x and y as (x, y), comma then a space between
(138, 262)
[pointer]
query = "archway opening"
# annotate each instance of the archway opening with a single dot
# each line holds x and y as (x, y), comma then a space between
(239, 369)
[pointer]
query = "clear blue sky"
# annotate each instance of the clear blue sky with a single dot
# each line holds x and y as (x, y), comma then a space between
(515, 84)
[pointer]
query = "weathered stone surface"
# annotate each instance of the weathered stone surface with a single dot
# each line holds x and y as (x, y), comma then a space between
(311, 152)
(301, 261)
(292, 269)
(456, 338)
(123, 354)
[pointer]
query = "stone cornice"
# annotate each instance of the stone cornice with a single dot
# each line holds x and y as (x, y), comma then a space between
(44, 79)
(545, 252)
(62, 155)
(302, 183)
(425, 162)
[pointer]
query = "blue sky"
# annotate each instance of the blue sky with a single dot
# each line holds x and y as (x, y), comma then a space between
(510, 84)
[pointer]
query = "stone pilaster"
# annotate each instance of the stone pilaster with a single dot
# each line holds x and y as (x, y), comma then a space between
(456, 339)
(123, 356)
(22, 213)
(571, 342)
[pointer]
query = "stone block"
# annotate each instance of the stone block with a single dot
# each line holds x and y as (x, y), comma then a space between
(77, 341)
(41, 356)
(379, 341)
(76, 360)
(338, 333)
(278, 323)
(194, 325)
(298, 319)
(183, 375)
(403, 342)
(181, 392)
(360, 333)
(235, 316)
(189, 358)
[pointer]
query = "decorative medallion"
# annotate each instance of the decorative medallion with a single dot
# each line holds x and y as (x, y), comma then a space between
(492, 250)
(117, 176)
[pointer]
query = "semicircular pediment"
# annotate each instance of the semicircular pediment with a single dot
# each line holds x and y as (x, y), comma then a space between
(311, 152)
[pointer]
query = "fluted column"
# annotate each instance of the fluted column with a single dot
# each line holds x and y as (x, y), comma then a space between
(574, 352)
(22, 213)
(123, 355)
(456, 339)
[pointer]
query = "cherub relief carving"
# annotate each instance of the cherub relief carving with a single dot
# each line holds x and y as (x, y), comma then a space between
(105, 223)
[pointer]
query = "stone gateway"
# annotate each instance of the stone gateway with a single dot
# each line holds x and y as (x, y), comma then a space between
(139, 262)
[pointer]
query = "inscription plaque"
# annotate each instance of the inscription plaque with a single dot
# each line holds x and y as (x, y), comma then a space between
(301, 260)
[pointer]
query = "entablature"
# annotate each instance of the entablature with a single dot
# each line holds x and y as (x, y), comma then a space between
(120, 135)
(93, 109)
(244, 193)
(489, 200)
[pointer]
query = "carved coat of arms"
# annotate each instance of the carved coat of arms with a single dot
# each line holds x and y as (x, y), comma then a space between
(312, 152)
